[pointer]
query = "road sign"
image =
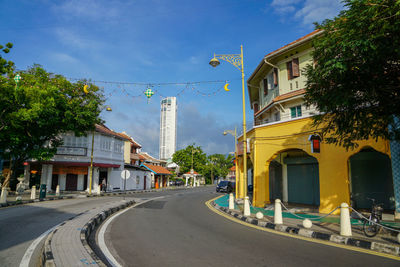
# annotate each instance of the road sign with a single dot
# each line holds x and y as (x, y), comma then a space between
(125, 174)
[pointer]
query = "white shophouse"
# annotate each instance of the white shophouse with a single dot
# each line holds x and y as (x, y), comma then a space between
(70, 167)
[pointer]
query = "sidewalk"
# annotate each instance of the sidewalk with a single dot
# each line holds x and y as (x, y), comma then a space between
(326, 228)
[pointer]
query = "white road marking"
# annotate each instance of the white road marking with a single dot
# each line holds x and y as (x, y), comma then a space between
(28, 253)
(102, 244)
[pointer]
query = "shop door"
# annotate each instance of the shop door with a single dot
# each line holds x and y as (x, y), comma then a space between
(275, 181)
(371, 177)
(71, 183)
(54, 182)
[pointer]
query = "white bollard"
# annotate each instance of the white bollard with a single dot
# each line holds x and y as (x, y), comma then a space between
(345, 225)
(58, 190)
(246, 210)
(231, 202)
(278, 212)
(3, 198)
(33, 192)
(307, 223)
(259, 215)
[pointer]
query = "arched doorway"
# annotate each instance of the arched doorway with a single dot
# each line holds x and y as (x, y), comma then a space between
(294, 178)
(371, 177)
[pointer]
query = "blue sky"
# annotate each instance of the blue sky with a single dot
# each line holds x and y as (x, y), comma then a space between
(155, 41)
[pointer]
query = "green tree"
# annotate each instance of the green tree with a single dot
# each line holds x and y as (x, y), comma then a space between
(218, 165)
(184, 158)
(5, 66)
(355, 80)
(40, 107)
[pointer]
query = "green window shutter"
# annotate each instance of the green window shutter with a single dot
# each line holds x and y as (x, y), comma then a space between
(299, 111)
(293, 112)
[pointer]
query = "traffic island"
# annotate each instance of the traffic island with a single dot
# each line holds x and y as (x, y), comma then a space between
(294, 227)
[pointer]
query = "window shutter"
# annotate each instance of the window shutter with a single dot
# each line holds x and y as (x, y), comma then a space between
(265, 87)
(295, 66)
(275, 77)
(289, 70)
(293, 112)
(298, 111)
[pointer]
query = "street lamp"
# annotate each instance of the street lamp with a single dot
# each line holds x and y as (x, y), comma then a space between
(234, 133)
(237, 61)
(108, 108)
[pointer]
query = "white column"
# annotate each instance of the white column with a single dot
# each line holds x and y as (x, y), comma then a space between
(49, 176)
(95, 181)
(80, 182)
(43, 177)
(345, 224)
(27, 169)
(186, 180)
(285, 195)
(278, 212)
(62, 180)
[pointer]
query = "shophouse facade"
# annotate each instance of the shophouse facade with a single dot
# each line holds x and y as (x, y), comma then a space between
(70, 167)
(288, 158)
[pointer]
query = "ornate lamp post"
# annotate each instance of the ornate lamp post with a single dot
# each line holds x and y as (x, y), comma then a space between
(237, 61)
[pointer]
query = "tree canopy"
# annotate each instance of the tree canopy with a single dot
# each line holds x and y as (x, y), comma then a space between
(216, 165)
(35, 110)
(355, 80)
(184, 158)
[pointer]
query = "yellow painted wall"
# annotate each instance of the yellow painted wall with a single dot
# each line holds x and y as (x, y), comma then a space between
(127, 152)
(267, 142)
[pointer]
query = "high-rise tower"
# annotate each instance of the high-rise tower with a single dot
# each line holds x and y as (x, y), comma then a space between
(168, 122)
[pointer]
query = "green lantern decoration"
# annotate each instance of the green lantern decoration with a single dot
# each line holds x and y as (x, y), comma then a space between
(148, 93)
(17, 78)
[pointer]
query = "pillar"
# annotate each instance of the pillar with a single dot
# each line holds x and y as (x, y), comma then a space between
(27, 174)
(285, 195)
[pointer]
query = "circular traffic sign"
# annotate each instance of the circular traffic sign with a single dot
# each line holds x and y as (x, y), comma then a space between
(125, 174)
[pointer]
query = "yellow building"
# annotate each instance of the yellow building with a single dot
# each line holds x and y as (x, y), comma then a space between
(281, 161)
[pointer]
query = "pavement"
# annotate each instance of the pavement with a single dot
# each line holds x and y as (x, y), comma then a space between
(327, 228)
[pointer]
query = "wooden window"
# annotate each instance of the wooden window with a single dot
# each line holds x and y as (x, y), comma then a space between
(265, 82)
(275, 77)
(289, 70)
(255, 107)
(293, 68)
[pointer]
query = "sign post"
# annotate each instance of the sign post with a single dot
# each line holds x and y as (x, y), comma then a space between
(125, 174)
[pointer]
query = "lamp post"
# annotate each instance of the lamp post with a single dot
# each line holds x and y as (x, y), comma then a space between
(108, 108)
(237, 61)
(234, 133)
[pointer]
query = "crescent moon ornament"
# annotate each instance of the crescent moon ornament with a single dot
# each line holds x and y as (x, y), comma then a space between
(85, 89)
(226, 87)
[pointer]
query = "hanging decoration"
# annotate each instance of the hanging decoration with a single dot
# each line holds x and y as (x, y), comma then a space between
(85, 89)
(17, 78)
(226, 86)
(148, 93)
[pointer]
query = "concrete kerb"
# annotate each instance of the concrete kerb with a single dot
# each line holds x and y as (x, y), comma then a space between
(14, 203)
(371, 245)
(47, 258)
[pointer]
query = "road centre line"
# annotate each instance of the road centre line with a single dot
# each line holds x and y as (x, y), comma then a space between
(102, 245)
(367, 251)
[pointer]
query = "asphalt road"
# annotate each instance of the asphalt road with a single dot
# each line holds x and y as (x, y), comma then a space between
(21, 225)
(179, 230)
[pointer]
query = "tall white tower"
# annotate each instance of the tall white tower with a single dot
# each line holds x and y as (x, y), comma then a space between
(168, 127)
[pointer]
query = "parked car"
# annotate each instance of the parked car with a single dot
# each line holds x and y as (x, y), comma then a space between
(225, 186)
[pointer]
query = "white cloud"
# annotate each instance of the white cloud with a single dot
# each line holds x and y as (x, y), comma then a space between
(307, 11)
(63, 58)
(88, 9)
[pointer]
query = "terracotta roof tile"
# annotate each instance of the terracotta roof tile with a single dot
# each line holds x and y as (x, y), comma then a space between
(130, 139)
(280, 98)
(157, 169)
(194, 172)
(105, 130)
(294, 42)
